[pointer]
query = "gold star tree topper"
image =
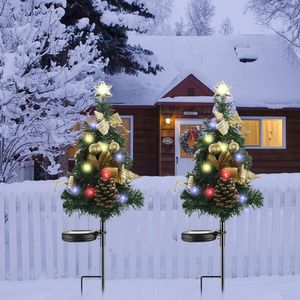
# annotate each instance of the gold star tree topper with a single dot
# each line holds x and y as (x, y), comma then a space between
(223, 89)
(103, 89)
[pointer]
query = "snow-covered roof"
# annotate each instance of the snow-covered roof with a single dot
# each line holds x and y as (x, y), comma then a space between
(272, 79)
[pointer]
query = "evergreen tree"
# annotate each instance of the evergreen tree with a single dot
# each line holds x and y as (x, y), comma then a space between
(111, 20)
(99, 185)
(219, 184)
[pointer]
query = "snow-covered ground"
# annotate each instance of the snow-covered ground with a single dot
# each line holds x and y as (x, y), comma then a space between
(251, 288)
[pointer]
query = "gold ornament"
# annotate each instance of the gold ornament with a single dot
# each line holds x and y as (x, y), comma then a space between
(114, 147)
(103, 90)
(233, 147)
(71, 181)
(103, 127)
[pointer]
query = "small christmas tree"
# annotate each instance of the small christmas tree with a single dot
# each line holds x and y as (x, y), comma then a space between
(219, 184)
(99, 185)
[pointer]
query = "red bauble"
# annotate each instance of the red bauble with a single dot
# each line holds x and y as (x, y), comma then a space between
(90, 192)
(209, 192)
(225, 173)
(105, 173)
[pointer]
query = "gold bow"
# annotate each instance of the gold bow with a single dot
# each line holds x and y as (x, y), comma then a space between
(103, 125)
(223, 125)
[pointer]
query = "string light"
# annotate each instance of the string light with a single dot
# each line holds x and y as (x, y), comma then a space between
(89, 138)
(90, 192)
(206, 168)
(87, 168)
(238, 156)
(119, 157)
(242, 198)
(194, 190)
(209, 192)
(93, 125)
(208, 138)
(123, 198)
(75, 190)
(213, 124)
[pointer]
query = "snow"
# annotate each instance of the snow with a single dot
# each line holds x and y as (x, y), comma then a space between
(261, 288)
(270, 81)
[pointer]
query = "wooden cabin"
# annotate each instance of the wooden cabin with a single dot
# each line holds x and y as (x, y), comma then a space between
(265, 80)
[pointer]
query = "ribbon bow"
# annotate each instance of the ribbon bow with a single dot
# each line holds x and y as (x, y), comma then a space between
(103, 125)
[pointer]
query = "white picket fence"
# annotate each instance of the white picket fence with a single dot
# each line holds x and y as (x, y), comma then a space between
(145, 243)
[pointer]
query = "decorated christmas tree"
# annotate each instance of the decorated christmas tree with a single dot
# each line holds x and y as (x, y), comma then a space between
(219, 184)
(99, 184)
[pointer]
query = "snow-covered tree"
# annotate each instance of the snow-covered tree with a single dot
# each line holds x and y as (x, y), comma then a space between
(282, 16)
(161, 9)
(199, 14)
(179, 27)
(226, 27)
(44, 85)
(112, 20)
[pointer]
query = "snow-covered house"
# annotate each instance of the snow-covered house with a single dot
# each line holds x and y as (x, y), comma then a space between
(265, 79)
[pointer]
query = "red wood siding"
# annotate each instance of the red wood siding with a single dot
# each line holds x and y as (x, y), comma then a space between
(145, 138)
(190, 86)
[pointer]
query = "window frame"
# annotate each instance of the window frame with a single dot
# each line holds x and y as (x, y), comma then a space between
(260, 118)
(130, 117)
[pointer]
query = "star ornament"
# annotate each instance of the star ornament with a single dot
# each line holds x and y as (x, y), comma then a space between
(103, 90)
(223, 90)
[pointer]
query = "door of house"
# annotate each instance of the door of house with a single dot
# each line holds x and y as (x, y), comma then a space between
(183, 160)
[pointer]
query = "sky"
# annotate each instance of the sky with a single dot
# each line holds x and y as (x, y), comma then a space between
(242, 23)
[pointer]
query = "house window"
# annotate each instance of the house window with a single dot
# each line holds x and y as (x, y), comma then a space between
(264, 132)
(126, 131)
(191, 91)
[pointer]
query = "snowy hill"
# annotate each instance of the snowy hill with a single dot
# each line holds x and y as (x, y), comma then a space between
(262, 71)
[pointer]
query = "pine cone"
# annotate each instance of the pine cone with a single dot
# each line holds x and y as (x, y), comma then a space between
(225, 193)
(106, 193)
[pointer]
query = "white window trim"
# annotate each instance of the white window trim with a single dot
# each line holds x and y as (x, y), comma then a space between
(131, 132)
(260, 118)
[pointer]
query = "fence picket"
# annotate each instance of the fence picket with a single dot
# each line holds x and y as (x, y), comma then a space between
(12, 225)
(147, 242)
(296, 228)
(2, 236)
(24, 237)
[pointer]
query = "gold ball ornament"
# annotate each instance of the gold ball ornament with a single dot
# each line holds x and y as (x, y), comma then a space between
(114, 147)
(214, 149)
(89, 138)
(208, 138)
(233, 147)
